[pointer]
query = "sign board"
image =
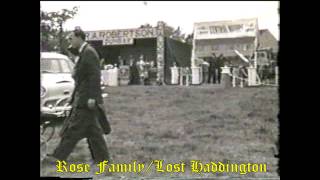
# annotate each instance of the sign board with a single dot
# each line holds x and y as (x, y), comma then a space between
(123, 36)
(117, 41)
(226, 29)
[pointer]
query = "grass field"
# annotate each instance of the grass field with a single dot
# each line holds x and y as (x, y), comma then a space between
(175, 124)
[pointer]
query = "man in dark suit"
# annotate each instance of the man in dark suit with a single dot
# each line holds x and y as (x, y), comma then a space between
(220, 60)
(212, 68)
(87, 118)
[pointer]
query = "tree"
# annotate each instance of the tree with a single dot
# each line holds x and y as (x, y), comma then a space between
(177, 35)
(146, 25)
(52, 35)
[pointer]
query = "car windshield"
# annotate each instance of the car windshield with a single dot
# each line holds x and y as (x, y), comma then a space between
(54, 66)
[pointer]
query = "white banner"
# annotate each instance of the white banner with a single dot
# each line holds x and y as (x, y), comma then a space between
(123, 35)
(117, 41)
(226, 29)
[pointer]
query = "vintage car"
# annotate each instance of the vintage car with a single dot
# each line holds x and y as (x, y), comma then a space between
(57, 84)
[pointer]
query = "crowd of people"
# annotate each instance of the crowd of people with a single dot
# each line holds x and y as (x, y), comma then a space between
(211, 70)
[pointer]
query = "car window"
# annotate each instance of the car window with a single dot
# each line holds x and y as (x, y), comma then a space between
(50, 66)
(64, 66)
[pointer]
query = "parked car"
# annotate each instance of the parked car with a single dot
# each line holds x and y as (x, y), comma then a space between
(57, 84)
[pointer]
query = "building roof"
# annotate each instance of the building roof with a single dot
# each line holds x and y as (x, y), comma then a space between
(267, 40)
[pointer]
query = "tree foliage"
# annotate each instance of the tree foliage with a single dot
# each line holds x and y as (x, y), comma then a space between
(52, 35)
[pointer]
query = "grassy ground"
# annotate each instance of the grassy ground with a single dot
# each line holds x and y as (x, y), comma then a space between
(175, 124)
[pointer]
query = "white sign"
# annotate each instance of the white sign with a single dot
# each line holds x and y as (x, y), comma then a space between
(226, 29)
(123, 36)
(117, 41)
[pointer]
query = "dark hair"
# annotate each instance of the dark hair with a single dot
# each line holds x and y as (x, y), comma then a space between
(79, 33)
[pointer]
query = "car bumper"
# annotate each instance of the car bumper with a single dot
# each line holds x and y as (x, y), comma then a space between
(59, 111)
(55, 112)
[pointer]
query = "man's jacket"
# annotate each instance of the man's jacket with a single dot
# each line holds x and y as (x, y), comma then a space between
(87, 77)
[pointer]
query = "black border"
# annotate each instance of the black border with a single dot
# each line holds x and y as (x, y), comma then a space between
(295, 81)
(22, 56)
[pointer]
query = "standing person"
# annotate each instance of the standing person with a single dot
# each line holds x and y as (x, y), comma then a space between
(211, 70)
(205, 71)
(215, 68)
(87, 118)
(243, 73)
(120, 61)
(141, 68)
(131, 65)
(219, 63)
(134, 73)
(235, 74)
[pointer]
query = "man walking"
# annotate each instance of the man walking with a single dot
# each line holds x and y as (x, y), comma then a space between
(87, 118)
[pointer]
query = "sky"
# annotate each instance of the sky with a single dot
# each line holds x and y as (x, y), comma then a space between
(108, 15)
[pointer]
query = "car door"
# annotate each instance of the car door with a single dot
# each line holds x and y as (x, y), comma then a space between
(66, 81)
(56, 78)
